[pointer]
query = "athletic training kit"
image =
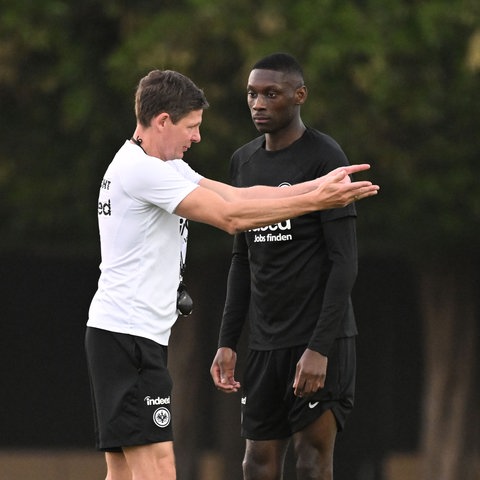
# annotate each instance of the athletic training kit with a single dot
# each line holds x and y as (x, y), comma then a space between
(136, 299)
(293, 281)
(131, 389)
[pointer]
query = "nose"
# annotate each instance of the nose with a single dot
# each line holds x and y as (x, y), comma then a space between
(196, 137)
(258, 102)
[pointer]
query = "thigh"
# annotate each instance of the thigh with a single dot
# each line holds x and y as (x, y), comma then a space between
(131, 390)
(265, 388)
(314, 446)
(317, 440)
(338, 392)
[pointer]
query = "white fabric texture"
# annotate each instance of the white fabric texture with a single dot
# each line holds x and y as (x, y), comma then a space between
(140, 244)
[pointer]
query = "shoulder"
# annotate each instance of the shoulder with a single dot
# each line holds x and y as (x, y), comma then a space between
(246, 150)
(138, 172)
(242, 155)
(325, 147)
(131, 160)
(184, 169)
(321, 139)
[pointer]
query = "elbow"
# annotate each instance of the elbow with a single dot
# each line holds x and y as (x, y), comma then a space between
(355, 270)
(352, 272)
(227, 223)
(229, 230)
(346, 273)
(232, 227)
(232, 223)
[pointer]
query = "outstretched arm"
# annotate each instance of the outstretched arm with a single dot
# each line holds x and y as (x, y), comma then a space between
(231, 193)
(223, 207)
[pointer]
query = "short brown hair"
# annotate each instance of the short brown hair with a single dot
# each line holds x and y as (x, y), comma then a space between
(167, 91)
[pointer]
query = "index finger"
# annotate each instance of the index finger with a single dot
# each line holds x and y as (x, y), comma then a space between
(356, 168)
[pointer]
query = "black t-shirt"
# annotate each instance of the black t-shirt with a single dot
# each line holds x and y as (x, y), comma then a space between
(293, 279)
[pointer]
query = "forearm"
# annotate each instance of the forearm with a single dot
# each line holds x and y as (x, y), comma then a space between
(208, 205)
(253, 213)
(334, 308)
(260, 191)
(340, 236)
(231, 194)
(236, 302)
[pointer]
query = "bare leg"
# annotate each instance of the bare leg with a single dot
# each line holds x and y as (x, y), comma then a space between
(264, 459)
(151, 462)
(314, 447)
(117, 467)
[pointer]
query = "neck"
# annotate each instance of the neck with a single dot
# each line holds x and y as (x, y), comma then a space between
(142, 138)
(284, 138)
(138, 141)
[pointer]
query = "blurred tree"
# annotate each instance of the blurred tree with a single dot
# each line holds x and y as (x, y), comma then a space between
(403, 81)
(395, 81)
(58, 131)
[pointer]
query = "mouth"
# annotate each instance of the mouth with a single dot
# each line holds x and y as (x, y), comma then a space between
(260, 119)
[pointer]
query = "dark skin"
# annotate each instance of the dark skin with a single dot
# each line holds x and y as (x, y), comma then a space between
(275, 99)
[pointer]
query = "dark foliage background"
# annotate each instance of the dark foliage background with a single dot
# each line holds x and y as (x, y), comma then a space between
(396, 82)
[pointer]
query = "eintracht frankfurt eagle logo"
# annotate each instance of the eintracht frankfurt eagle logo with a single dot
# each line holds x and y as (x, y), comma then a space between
(161, 417)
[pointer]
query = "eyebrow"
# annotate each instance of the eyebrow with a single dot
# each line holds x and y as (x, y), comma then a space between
(273, 86)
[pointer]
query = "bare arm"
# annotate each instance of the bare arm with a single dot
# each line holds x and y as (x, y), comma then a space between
(230, 193)
(237, 215)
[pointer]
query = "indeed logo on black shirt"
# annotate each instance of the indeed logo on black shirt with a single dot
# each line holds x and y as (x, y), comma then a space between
(273, 233)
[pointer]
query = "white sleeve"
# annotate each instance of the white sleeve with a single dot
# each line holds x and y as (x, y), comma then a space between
(154, 181)
(185, 170)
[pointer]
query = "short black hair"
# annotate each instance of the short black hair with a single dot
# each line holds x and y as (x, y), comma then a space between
(280, 62)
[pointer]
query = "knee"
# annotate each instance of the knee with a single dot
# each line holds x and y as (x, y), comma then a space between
(314, 448)
(314, 462)
(314, 468)
(255, 469)
(252, 469)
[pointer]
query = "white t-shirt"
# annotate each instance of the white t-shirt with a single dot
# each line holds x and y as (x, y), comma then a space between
(140, 244)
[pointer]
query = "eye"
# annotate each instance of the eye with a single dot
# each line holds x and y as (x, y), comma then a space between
(251, 94)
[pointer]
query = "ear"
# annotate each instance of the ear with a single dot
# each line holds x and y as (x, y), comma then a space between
(160, 120)
(301, 95)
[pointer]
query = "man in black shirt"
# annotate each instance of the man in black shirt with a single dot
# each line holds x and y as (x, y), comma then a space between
(292, 280)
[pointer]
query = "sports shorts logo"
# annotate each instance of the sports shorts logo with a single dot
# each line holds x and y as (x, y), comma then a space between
(312, 404)
(157, 401)
(161, 417)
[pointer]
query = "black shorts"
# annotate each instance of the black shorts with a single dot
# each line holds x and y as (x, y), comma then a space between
(131, 389)
(270, 410)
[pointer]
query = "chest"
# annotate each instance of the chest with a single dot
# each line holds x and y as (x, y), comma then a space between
(277, 169)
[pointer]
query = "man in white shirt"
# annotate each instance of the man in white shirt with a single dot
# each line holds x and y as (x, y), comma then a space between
(145, 195)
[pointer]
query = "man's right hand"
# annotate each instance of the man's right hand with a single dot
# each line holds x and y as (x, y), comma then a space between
(223, 370)
(337, 189)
